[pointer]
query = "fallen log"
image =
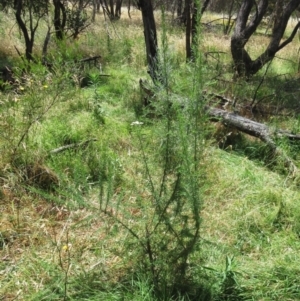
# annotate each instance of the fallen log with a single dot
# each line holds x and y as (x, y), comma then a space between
(259, 130)
(249, 126)
(243, 124)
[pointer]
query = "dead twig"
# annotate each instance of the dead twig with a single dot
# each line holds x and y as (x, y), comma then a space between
(71, 146)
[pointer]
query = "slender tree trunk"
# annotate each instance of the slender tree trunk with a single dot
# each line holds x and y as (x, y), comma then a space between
(194, 29)
(60, 18)
(150, 37)
(118, 9)
(45, 46)
(179, 8)
(227, 27)
(204, 6)
(105, 8)
(188, 29)
(94, 10)
(111, 4)
(129, 5)
(29, 39)
(192, 25)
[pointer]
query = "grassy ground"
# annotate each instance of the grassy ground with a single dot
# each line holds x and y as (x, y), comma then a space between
(55, 243)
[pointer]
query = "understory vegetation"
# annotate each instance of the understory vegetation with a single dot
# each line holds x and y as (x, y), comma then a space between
(105, 198)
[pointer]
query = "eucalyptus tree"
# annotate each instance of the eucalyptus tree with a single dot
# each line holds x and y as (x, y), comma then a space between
(28, 14)
(60, 18)
(112, 8)
(77, 17)
(96, 8)
(71, 17)
(249, 17)
(193, 11)
(182, 8)
(150, 37)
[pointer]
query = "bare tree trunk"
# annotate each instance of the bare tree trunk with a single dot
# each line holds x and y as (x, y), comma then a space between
(94, 10)
(60, 18)
(228, 26)
(28, 35)
(192, 25)
(129, 4)
(194, 29)
(98, 4)
(106, 10)
(45, 46)
(204, 6)
(179, 8)
(112, 12)
(243, 64)
(150, 37)
(118, 9)
(188, 29)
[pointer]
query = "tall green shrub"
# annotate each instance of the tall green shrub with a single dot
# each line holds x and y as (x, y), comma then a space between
(163, 212)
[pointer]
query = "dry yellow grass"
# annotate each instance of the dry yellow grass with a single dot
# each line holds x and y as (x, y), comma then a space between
(34, 232)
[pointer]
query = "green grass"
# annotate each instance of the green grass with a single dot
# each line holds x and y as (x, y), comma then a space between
(60, 246)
